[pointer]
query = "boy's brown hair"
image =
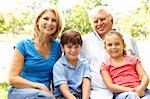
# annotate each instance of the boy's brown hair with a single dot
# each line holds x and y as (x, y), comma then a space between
(71, 36)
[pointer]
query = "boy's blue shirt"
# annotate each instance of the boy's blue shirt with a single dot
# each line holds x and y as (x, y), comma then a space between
(63, 72)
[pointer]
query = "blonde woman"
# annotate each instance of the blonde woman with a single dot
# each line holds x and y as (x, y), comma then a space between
(31, 68)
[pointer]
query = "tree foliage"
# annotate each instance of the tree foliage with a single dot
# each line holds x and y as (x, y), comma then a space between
(14, 21)
(20, 20)
(137, 22)
(2, 22)
(89, 4)
(77, 18)
(54, 2)
(17, 20)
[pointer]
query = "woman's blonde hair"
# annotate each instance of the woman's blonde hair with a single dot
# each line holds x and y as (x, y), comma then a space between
(58, 18)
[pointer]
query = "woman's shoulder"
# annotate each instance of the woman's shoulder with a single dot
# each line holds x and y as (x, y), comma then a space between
(24, 41)
(56, 41)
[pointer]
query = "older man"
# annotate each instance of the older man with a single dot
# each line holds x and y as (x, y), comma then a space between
(93, 50)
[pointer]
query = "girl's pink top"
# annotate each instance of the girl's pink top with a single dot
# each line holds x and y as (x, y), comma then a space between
(124, 75)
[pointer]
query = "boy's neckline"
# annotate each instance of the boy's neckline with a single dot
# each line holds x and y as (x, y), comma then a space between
(73, 64)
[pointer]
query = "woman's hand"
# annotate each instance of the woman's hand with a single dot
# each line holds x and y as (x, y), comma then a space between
(51, 94)
(42, 87)
(45, 89)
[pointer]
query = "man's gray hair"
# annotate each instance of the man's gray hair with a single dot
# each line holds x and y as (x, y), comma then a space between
(98, 9)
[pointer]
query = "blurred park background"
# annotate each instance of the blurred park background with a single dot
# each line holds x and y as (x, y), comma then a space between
(16, 17)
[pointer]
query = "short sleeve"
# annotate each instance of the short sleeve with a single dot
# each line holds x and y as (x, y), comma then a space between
(104, 66)
(20, 46)
(135, 60)
(59, 74)
(87, 72)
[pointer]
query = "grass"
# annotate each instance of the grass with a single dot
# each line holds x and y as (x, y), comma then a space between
(4, 90)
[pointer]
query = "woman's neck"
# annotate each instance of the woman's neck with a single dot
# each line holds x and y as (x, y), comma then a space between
(42, 46)
(43, 40)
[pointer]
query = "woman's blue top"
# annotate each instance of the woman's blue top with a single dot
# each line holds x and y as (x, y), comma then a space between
(36, 67)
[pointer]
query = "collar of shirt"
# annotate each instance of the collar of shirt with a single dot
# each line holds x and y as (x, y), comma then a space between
(98, 37)
(66, 63)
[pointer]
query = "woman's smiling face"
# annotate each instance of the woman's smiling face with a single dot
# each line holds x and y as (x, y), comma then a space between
(47, 23)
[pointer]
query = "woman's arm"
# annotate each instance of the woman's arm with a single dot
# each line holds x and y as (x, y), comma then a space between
(66, 92)
(14, 75)
(113, 87)
(144, 80)
(86, 88)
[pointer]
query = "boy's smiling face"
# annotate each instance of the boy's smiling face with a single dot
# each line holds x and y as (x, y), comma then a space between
(71, 51)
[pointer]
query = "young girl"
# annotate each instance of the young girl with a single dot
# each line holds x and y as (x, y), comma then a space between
(123, 74)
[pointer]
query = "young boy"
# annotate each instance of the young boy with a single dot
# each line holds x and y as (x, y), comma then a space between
(71, 73)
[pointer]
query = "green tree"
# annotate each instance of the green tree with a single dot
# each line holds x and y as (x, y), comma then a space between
(2, 22)
(89, 4)
(54, 2)
(77, 18)
(137, 22)
(16, 20)
(144, 13)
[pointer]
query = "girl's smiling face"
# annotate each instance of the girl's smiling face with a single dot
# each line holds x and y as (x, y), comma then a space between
(114, 45)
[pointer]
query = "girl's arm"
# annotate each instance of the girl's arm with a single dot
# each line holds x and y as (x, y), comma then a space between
(14, 75)
(113, 87)
(86, 88)
(144, 80)
(66, 92)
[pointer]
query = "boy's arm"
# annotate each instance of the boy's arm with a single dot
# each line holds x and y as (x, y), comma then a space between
(113, 87)
(144, 80)
(66, 92)
(86, 88)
